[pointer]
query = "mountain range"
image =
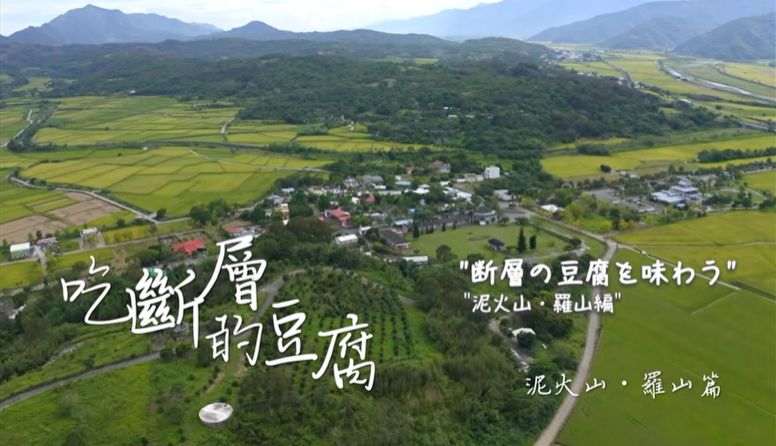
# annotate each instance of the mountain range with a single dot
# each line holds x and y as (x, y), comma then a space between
(702, 27)
(657, 25)
(95, 25)
(508, 18)
(749, 38)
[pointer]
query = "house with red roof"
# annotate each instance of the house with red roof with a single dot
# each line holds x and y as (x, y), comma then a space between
(338, 214)
(189, 247)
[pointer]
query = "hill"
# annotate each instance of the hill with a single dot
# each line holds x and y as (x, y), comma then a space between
(706, 14)
(508, 18)
(749, 38)
(71, 60)
(94, 25)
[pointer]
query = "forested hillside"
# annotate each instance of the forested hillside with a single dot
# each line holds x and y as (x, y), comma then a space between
(496, 106)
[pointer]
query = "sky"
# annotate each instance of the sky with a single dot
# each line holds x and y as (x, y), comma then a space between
(294, 15)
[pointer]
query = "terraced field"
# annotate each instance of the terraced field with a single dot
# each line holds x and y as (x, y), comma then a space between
(174, 178)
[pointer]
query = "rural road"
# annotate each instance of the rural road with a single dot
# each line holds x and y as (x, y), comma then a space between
(81, 376)
(29, 123)
(547, 438)
(271, 289)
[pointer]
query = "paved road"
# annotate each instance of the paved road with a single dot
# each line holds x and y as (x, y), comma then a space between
(547, 438)
(271, 289)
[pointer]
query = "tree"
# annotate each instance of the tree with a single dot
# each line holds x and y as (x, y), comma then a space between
(605, 168)
(444, 253)
(200, 215)
(521, 245)
(415, 230)
(161, 213)
(323, 202)
(532, 242)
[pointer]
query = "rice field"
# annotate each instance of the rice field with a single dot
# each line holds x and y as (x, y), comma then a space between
(759, 73)
(685, 333)
(765, 181)
(339, 139)
(174, 178)
(20, 274)
(709, 71)
(13, 118)
(572, 166)
(18, 202)
(597, 67)
(644, 68)
(90, 120)
(719, 236)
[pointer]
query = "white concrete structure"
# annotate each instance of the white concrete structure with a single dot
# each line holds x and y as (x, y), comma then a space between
(420, 260)
(20, 250)
(215, 414)
(492, 172)
(346, 240)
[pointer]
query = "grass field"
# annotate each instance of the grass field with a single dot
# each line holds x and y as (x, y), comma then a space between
(174, 178)
(570, 166)
(685, 333)
(96, 348)
(719, 237)
(93, 120)
(467, 240)
(762, 181)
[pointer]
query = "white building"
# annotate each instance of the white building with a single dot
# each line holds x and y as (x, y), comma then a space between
(420, 260)
(492, 173)
(20, 250)
(346, 240)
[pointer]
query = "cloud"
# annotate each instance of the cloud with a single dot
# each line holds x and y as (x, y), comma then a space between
(296, 15)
